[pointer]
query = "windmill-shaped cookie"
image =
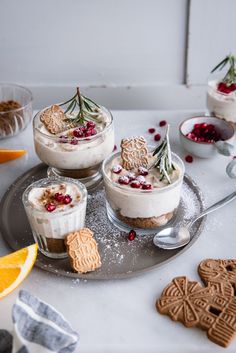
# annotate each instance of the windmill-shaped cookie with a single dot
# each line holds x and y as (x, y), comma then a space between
(203, 307)
(220, 274)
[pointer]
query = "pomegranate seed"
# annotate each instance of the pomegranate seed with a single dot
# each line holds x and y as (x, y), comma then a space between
(59, 197)
(88, 133)
(162, 123)
(151, 130)
(83, 128)
(93, 132)
(124, 180)
(74, 141)
(135, 184)
(189, 159)
(141, 179)
(132, 235)
(50, 207)
(114, 148)
(78, 133)
(90, 124)
(157, 137)
(143, 171)
(67, 199)
(234, 157)
(146, 186)
(117, 169)
(131, 176)
(204, 133)
(224, 88)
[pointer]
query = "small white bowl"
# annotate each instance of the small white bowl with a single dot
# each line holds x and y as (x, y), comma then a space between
(204, 149)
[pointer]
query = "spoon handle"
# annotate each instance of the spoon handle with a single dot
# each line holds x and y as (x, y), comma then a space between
(215, 207)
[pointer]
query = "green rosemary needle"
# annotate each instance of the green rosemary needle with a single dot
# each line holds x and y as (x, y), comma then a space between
(86, 108)
(230, 76)
(163, 158)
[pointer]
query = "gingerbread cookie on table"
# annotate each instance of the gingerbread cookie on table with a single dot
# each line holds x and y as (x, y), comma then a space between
(83, 251)
(220, 274)
(210, 308)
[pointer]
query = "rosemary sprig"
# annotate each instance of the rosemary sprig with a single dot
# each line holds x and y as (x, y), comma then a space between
(163, 158)
(230, 76)
(86, 108)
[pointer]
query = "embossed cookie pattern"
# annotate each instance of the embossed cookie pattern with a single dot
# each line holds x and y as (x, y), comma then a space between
(82, 250)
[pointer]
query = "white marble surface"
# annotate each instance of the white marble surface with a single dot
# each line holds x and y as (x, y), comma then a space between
(120, 316)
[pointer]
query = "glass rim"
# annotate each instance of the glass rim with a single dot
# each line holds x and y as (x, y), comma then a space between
(83, 139)
(180, 163)
(54, 180)
(12, 85)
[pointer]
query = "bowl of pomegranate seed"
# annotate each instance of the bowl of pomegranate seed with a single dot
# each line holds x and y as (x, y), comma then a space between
(199, 135)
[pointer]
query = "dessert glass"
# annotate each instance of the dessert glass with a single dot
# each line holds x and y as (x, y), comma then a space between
(50, 228)
(220, 104)
(142, 210)
(82, 160)
(15, 120)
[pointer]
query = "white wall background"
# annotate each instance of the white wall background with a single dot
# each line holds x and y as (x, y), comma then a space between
(152, 45)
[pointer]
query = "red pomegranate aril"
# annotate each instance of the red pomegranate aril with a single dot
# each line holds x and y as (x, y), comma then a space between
(67, 199)
(117, 169)
(78, 133)
(123, 180)
(204, 132)
(224, 88)
(141, 179)
(142, 171)
(93, 132)
(189, 159)
(162, 123)
(157, 137)
(74, 141)
(131, 176)
(50, 207)
(83, 128)
(132, 235)
(135, 184)
(59, 197)
(90, 124)
(146, 186)
(151, 130)
(88, 133)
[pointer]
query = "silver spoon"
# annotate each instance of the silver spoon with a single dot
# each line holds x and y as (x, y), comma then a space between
(175, 237)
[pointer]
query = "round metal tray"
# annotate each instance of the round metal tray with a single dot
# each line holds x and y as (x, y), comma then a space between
(120, 258)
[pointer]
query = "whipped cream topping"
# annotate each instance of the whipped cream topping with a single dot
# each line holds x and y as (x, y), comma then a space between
(153, 176)
(39, 197)
(220, 104)
(71, 152)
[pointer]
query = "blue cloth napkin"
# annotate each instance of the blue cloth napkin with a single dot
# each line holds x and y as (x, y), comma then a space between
(38, 328)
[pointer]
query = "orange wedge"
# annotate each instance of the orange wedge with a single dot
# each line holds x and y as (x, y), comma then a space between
(15, 267)
(9, 155)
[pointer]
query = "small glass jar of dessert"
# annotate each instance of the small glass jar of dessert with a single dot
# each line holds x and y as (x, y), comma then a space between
(221, 91)
(73, 139)
(55, 207)
(15, 109)
(145, 197)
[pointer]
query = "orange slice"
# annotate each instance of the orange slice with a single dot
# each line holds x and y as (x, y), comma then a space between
(15, 267)
(9, 155)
